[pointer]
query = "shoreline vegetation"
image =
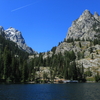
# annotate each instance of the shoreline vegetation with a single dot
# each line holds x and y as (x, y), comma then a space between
(60, 81)
(17, 67)
(77, 57)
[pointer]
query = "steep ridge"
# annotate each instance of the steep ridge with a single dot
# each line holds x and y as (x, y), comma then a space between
(83, 38)
(16, 36)
(85, 26)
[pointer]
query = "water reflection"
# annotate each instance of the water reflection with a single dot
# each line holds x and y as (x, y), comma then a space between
(78, 91)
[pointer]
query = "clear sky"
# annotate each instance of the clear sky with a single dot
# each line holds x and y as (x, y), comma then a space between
(43, 23)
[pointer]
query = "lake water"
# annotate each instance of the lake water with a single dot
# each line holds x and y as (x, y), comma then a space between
(70, 91)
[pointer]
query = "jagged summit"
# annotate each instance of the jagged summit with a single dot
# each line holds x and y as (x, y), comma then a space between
(86, 13)
(84, 26)
(96, 15)
(12, 30)
(1, 28)
(16, 36)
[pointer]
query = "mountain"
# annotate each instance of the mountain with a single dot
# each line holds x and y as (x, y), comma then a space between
(16, 36)
(76, 58)
(83, 38)
(86, 26)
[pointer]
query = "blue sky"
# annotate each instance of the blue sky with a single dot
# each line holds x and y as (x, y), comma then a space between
(43, 23)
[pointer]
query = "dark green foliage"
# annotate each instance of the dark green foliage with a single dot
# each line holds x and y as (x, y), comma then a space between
(80, 44)
(24, 71)
(80, 74)
(11, 59)
(95, 27)
(7, 62)
(59, 43)
(88, 73)
(13, 48)
(92, 57)
(97, 77)
(83, 39)
(65, 40)
(80, 55)
(53, 49)
(70, 40)
(91, 50)
(16, 67)
(95, 41)
(78, 39)
(91, 43)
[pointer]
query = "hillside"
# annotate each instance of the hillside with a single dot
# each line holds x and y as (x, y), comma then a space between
(16, 36)
(83, 38)
(75, 58)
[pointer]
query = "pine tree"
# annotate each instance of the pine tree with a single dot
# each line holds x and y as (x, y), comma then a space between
(92, 57)
(7, 63)
(13, 66)
(24, 71)
(80, 44)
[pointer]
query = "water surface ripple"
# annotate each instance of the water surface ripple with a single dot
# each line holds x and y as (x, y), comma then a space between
(77, 91)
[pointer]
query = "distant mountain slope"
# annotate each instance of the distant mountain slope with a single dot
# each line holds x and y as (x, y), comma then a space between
(14, 35)
(12, 47)
(83, 38)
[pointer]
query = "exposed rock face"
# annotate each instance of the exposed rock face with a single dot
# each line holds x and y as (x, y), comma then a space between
(16, 36)
(84, 27)
(87, 27)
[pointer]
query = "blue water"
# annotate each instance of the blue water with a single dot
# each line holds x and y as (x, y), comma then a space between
(72, 91)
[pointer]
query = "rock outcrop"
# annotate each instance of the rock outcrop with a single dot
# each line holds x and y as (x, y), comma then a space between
(83, 32)
(14, 35)
(86, 26)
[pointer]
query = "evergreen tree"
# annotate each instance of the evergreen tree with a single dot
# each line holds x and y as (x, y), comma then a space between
(92, 57)
(7, 62)
(80, 44)
(24, 74)
(97, 77)
(13, 70)
(53, 49)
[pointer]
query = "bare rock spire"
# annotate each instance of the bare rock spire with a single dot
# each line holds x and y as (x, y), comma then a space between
(83, 26)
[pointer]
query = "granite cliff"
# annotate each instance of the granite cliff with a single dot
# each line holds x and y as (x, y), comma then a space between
(83, 38)
(86, 26)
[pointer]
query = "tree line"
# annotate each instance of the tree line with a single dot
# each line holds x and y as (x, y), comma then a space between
(15, 66)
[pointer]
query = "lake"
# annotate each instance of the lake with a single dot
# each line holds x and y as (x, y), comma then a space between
(70, 91)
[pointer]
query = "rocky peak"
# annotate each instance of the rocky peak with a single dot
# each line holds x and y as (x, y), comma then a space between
(96, 15)
(86, 13)
(12, 30)
(1, 28)
(83, 26)
(16, 36)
